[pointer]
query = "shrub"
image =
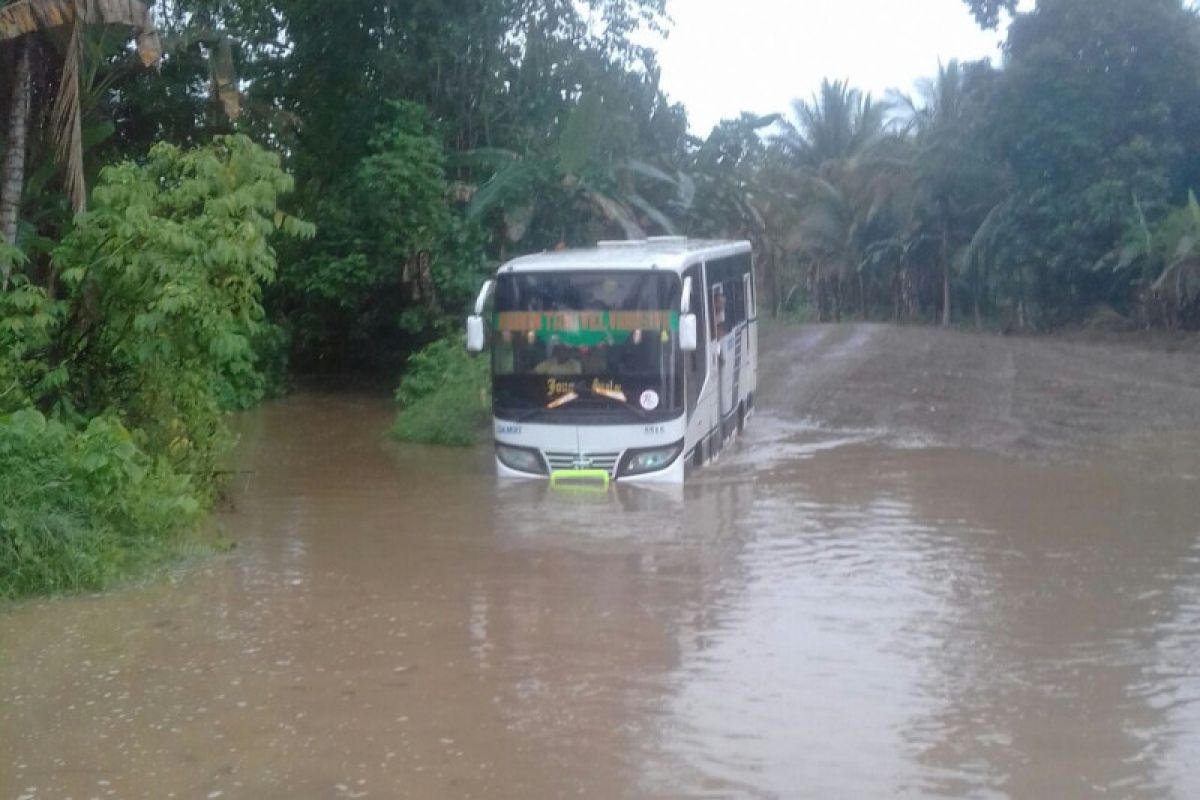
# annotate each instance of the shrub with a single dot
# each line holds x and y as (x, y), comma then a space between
(79, 509)
(444, 396)
(165, 273)
(155, 328)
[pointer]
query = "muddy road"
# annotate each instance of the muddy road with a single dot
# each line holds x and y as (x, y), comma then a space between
(906, 579)
(1027, 396)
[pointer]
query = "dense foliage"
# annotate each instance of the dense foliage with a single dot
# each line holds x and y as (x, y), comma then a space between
(164, 279)
(118, 354)
(1034, 195)
(390, 257)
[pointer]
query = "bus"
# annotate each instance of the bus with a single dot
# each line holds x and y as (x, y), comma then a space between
(629, 361)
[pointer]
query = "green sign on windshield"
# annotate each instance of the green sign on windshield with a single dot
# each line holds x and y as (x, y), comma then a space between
(585, 328)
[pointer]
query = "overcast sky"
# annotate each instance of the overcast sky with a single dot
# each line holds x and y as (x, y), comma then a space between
(727, 56)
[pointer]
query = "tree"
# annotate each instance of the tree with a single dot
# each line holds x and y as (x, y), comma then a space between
(956, 184)
(390, 251)
(549, 124)
(1097, 110)
(27, 24)
(850, 172)
(987, 12)
(745, 188)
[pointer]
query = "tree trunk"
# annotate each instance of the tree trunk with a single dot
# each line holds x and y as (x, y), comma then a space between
(945, 276)
(12, 176)
(816, 273)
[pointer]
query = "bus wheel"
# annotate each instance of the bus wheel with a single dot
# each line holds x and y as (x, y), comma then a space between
(698, 454)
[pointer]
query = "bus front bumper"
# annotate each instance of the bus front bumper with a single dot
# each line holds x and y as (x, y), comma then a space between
(626, 453)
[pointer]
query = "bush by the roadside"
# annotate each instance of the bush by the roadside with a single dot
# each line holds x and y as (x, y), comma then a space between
(444, 396)
(115, 377)
(165, 275)
(79, 509)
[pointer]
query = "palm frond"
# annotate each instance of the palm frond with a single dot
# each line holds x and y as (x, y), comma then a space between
(615, 212)
(647, 208)
(67, 115)
(507, 182)
(24, 17)
(30, 16)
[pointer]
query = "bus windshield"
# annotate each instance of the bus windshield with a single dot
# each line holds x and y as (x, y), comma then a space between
(587, 347)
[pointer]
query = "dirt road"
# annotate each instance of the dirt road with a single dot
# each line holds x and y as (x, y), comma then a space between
(1036, 396)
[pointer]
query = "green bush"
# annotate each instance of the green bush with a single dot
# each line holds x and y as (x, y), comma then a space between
(444, 396)
(113, 386)
(79, 509)
(165, 274)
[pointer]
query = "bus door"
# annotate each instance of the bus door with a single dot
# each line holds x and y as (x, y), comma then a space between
(726, 355)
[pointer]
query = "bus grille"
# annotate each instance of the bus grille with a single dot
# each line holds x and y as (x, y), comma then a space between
(604, 461)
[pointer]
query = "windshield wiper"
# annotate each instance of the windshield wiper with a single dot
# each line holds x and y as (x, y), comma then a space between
(623, 403)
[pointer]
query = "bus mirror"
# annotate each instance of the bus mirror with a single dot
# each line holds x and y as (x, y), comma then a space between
(474, 334)
(685, 299)
(687, 333)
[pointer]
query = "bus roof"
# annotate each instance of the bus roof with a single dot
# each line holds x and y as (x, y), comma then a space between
(674, 253)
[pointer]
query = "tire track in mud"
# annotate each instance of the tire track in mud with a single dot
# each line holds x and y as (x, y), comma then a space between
(1020, 395)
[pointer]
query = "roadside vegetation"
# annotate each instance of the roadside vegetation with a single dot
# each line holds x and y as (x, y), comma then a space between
(444, 396)
(199, 197)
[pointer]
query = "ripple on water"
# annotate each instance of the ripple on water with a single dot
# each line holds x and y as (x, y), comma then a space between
(817, 615)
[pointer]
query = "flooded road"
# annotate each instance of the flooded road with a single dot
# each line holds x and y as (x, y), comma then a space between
(817, 615)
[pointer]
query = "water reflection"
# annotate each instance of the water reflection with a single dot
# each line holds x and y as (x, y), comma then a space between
(817, 615)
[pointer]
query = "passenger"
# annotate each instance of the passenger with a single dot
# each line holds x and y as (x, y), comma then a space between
(595, 359)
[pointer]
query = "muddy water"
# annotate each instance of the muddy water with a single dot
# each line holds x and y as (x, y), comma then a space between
(818, 615)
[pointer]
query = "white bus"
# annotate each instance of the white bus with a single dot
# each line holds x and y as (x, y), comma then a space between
(629, 361)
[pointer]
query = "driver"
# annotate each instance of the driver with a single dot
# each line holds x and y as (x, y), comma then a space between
(560, 362)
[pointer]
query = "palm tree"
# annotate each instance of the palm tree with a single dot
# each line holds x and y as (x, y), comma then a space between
(746, 189)
(850, 171)
(33, 28)
(955, 186)
(838, 124)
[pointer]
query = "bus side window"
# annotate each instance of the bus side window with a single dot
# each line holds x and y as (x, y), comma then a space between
(720, 322)
(736, 303)
(697, 361)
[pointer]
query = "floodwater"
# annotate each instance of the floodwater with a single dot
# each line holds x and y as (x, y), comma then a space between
(817, 615)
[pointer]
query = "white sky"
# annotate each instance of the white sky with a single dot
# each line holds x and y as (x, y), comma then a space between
(727, 56)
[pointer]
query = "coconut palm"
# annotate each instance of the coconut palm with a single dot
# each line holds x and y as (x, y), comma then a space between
(840, 123)
(39, 31)
(955, 187)
(851, 172)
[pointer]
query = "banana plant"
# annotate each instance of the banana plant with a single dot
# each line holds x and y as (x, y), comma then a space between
(572, 165)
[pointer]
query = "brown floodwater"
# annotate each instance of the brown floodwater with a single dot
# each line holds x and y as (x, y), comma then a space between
(817, 615)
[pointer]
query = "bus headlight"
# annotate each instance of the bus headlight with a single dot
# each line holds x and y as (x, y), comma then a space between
(649, 459)
(522, 459)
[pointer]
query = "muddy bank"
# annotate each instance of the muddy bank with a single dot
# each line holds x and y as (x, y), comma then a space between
(1039, 396)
